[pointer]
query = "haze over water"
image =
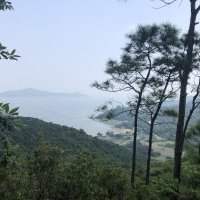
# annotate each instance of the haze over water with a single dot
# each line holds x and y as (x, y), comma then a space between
(70, 110)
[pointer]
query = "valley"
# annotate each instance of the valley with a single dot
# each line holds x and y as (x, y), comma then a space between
(74, 110)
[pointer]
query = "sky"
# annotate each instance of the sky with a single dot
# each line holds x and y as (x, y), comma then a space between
(64, 44)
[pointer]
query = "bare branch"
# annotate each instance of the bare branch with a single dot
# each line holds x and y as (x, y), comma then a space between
(165, 3)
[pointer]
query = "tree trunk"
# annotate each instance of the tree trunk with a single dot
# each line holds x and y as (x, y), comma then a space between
(136, 124)
(179, 131)
(153, 119)
(180, 136)
(135, 142)
(149, 153)
(134, 153)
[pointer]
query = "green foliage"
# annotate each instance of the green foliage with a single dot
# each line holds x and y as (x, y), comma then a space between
(5, 5)
(170, 113)
(5, 54)
(194, 131)
(72, 141)
(12, 173)
(7, 116)
(43, 171)
(149, 48)
(47, 173)
(82, 178)
(114, 183)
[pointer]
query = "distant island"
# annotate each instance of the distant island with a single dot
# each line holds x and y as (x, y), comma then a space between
(72, 109)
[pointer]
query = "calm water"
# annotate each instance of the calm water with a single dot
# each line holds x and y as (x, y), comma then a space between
(69, 111)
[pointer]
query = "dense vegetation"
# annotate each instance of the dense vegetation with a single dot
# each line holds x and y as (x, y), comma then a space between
(28, 131)
(47, 173)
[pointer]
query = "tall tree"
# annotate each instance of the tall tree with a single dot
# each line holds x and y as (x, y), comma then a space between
(162, 89)
(136, 68)
(185, 72)
(132, 74)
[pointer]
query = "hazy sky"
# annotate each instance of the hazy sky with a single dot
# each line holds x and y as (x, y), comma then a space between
(64, 44)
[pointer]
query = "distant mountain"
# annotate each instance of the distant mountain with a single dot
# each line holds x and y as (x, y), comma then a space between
(71, 109)
(30, 92)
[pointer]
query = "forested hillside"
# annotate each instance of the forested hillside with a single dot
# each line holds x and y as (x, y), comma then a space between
(47, 172)
(28, 131)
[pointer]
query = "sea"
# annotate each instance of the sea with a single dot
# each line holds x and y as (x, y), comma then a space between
(70, 111)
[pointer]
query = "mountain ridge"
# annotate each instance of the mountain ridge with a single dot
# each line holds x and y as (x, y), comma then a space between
(27, 131)
(31, 92)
